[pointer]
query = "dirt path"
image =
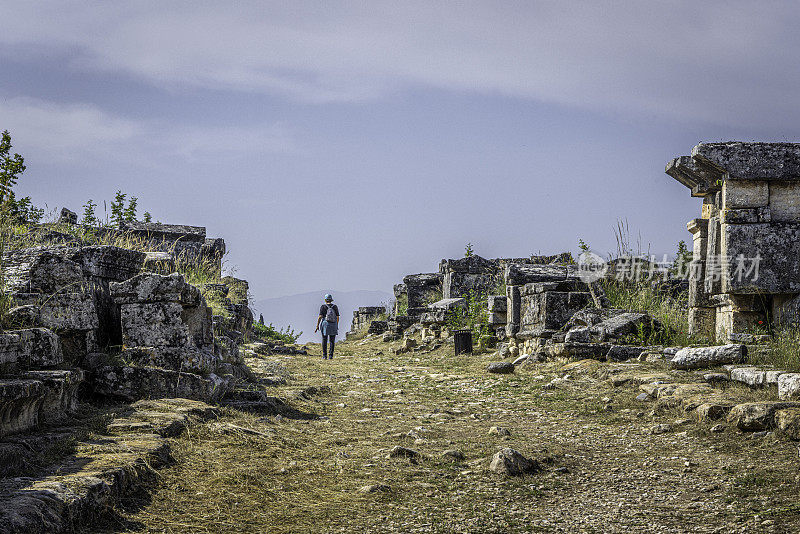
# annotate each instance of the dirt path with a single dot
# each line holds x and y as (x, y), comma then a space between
(604, 469)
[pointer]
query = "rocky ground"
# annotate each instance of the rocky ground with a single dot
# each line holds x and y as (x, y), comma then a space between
(609, 462)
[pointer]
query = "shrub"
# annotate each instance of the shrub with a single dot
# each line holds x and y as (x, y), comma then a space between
(269, 332)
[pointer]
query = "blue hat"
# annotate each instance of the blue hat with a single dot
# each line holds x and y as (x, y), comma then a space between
(328, 296)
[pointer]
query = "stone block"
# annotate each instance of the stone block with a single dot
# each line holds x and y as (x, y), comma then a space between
(752, 161)
(789, 386)
(108, 263)
(757, 416)
(704, 357)
(746, 215)
(150, 288)
(550, 310)
(784, 202)
(778, 248)
(29, 348)
(135, 383)
(68, 217)
(750, 376)
(60, 389)
(521, 274)
(20, 403)
(156, 324)
(188, 359)
(738, 194)
(621, 353)
(788, 422)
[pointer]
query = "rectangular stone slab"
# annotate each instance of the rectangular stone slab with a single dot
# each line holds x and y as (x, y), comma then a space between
(778, 246)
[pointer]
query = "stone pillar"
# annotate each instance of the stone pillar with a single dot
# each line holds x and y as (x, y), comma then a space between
(701, 312)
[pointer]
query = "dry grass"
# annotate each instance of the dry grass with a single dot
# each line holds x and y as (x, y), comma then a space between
(305, 475)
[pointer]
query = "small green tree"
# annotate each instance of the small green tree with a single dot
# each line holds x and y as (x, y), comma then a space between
(89, 214)
(11, 168)
(147, 217)
(118, 208)
(130, 212)
(468, 251)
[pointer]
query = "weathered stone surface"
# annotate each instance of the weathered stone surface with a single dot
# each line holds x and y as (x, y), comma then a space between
(188, 359)
(756, 416)
(751, 376)
(788, 422)
(147, 288)
(711, 411)
(778, 247)
(154, 325)
(403, 452)
(29, 348)
(541, 309)
(745, 194)
(67, 217)
(624, 324)
(752, 161)
(789, 386)
(500, 367)
(60, 388)
(364, 316)
(20, 403)
(134, 383)
(620, 353)
(510, 462)
(521, 274)
(159, 262)
(702, 357)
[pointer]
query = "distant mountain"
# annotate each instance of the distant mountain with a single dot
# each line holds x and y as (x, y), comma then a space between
(300, 311)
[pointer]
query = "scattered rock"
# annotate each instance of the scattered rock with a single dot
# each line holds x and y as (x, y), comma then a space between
(521, 359)
(660, 429)
(757, 416)
(499, 431)
(788, 422)
(500, 368)
(374, 488)
(512, 463)
(701, 357)
(716, 378)
(453, 455)
(402, 452)
(642, 397)
(718, 428)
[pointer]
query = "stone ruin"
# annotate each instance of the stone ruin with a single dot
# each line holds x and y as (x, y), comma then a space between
(369, 319)
(94, 319)
(746, 257)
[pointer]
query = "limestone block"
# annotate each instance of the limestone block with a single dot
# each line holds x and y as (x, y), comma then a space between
(702, 321)
(60, 389)
(756, 416)
(109, 263)
(788, 422)
(148, 288)
(29, 348)
(778, 248)
(784, 201)
(789, 386)
(156, 324)
(745, 194)
(752, 161)
(746, 215)
(134, 383)
(702, 357)
(20, 403)
(730, 321)
(188, 359)
(550, 310)
(750, 376)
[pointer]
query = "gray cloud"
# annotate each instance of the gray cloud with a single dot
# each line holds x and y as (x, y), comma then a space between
(718, 62)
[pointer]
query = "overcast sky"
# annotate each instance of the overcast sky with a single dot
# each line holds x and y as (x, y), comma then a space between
(343, 145)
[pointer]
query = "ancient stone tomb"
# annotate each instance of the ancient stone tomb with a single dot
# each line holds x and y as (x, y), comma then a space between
(745, 272)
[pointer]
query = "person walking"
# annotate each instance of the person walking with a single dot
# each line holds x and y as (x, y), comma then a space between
(329, 317)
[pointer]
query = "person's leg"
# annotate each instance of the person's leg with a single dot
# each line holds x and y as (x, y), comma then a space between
(333, 342)
(324, 346)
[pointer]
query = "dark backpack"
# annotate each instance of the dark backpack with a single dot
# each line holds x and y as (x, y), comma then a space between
(330, 315)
